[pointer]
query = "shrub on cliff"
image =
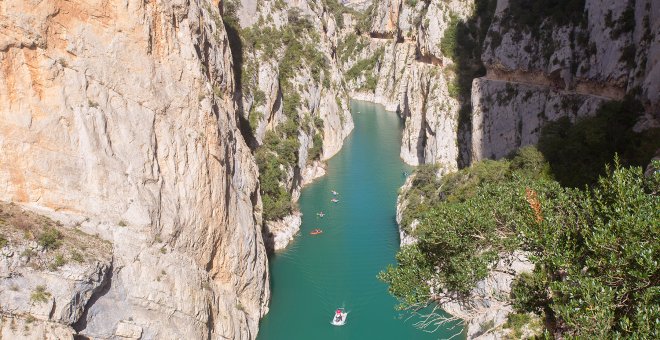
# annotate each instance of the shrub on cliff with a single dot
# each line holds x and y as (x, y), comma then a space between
(597, 258)
(50, 239)
(465, 220)
(596, 250)
(578, 151)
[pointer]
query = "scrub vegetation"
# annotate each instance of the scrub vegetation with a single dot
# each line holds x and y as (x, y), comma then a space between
(293, 48)
(593, 238)
(43, 243)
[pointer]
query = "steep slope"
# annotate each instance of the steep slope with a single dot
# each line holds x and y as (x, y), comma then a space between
(295, 107)
(562, 61)
(120, 117)
(419, 72)
(537, 62)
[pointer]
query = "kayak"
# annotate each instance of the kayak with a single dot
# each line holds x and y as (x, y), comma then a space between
(339, 319)
(316, 232)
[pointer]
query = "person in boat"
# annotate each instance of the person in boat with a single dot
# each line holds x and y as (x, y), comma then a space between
(338, 315)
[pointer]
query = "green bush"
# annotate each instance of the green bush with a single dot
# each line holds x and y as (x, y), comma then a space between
(317, 147)
(367, 66)
(40, 294)
(596, 265)
(59, 261)
(3, 241)
(50, 239)
(77, 256)
(350, 47)
(593, 255)
(578, 151)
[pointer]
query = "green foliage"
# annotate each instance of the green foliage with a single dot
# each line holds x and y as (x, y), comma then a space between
(529, 294)
(465, 220)
(448, 44)
(233, 29)
(367, 67)
(59, 261)
(518, 321)
(462, 43)
(253, 118)
(315, 151)
(625, 23)
(595, 255)
(350, 47)
(272, 157)
(77, 256)
(40, 294)
(628, 55)
(296, 44)
(597, 264)
(403, 280)
(3, 241)
(50, 239)
(579, 151)
(337, 10)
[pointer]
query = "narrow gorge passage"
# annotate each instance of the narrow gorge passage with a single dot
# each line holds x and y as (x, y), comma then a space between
(338, 268)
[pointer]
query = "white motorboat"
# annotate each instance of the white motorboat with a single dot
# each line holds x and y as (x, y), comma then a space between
(339, 319)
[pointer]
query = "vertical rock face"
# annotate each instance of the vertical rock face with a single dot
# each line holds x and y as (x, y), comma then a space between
(413, 76)
(539, 65)
(536, 70)
(311, 98)
(121, 115)
(561, 67)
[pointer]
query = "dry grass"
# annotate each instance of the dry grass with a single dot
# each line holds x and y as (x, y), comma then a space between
(57, 244)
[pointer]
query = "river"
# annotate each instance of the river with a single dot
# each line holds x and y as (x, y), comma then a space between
(338, 268)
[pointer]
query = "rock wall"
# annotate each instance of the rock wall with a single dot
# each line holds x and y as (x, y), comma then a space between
(562, 67)
(120, 117)
(264, 97)
(568, 68)
(413, 77)
(538, 67)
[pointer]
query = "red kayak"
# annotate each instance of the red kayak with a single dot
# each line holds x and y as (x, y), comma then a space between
(316, 232)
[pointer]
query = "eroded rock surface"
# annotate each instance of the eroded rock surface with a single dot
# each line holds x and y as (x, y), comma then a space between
(121, 116)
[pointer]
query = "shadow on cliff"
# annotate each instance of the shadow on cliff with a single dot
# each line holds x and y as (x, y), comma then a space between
(233, 29)
(81, 324)
(463, 43)
(578, 152)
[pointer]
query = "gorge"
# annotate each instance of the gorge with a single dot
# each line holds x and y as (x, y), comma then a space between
(153, 153)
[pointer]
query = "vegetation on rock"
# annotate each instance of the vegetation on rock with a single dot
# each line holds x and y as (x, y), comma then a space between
(596, 271)
(293, 48)
(578, 151)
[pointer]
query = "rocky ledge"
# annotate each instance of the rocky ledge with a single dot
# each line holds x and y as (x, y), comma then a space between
(48, 274)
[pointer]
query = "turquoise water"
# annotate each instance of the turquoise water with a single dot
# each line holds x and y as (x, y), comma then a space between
(317, 274)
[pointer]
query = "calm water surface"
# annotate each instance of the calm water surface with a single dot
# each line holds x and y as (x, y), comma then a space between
(317, 274)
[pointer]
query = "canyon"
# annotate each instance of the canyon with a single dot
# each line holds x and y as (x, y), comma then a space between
(174, 137)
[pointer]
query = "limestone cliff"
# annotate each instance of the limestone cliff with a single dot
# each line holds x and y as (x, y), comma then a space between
(530, 68)
(120, 117)
(562, 64)
(534, 65)
(292, 93)
(413, 76)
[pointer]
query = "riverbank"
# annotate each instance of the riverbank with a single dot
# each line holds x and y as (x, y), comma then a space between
(316, 274)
